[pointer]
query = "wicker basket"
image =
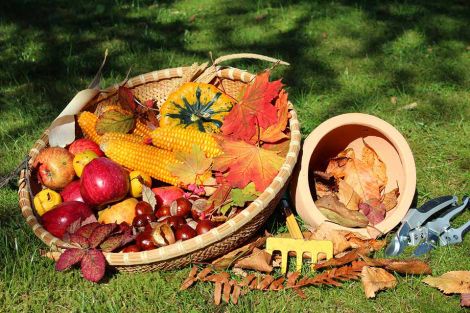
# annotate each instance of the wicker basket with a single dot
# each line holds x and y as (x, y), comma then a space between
(226, 237)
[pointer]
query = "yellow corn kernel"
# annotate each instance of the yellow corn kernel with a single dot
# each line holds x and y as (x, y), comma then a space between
(120, 136)
(183, 139)
(87, 122)
(140, 157)
(141, 129)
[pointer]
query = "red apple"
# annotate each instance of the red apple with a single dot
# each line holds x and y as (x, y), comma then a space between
(103, 181)
(55, 167)
(166, 195)
(71, 192)
(57, 220)
(84, 144)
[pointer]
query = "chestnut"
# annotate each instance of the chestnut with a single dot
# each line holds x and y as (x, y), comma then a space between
(162, 235)
(180, 207)
(185, 232)
(142, 208)
(163, 211)
(131, 248)
(204, 226)
(174, 221)
(144, 241)
(143, 220)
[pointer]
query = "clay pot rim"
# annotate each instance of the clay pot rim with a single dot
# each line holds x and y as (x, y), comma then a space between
(392, 135)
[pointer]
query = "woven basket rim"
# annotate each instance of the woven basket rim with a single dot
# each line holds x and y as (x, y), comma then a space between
(181, 248)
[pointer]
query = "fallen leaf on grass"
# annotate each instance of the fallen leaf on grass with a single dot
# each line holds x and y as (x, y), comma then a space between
(410, 266)
(375, 279)
(190, 280)
(451, 282)
(229, 259)
(345, 259)
(324, 232)
(259, 260)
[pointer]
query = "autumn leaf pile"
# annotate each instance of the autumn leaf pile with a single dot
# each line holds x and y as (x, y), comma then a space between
(256, 268)
(351, 191)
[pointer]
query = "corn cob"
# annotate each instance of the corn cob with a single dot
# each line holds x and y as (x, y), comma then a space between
(87, 122)
(141, 157)
(183, 139)
(141, 129)
(120, 136)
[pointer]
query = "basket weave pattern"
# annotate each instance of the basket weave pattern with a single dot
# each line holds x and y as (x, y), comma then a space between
(228, 236)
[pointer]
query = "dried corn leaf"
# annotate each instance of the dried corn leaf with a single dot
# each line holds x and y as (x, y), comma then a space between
(451, 282)
(375, 279)
(259, 260)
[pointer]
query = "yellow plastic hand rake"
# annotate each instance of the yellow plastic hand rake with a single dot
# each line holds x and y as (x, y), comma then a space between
(297, 244)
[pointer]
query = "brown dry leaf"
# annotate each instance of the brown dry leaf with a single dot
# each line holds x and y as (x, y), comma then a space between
(300, 293)
(292, 278)
(247, 280)
(322, 189)
(325, 232)
(465, 300)
(375, 279)
(390, 199)
(356, 173)
(370, 157)
(336, 212)
(374, 210)
(217, 293)
(239, 272)
(277, 284)
(236, 293)
(227, 289)
(345, 259)
(220, 277)
(451, 282)
(259, 260)
(410, 266)
(348, 196)
(190, 280)
(229, 259)
(369, 244)
(203, 274)
(264, 284)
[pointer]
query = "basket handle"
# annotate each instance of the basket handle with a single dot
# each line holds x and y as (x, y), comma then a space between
(248, 56)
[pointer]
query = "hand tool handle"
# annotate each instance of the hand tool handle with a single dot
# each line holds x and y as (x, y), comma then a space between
(448, 215)
(455, 235)
(429, 208)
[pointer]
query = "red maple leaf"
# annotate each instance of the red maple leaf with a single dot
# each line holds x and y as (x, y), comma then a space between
(245, 163)
(254, 110)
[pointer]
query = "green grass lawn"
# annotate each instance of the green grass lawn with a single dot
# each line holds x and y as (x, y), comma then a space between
(345, 56)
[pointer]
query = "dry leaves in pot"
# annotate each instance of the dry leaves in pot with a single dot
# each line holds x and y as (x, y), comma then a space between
(351, 190)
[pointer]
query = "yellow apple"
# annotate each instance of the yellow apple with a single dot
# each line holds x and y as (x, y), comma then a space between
(45, 200)
(136, 183)
(123, 211)
(81, 159)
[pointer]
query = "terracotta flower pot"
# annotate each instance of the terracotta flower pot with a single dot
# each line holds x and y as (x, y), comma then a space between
(339, 133)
